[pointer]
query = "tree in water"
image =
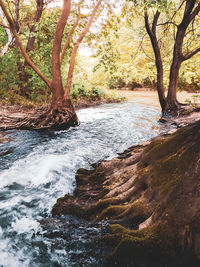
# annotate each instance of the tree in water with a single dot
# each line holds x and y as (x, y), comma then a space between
(61, 114)
(169, 103)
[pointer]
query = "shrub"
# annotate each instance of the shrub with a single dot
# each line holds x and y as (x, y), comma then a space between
(115, 82)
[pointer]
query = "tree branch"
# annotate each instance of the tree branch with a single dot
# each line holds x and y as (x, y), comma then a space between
(191, 54)
(69, 37)
(155, 21)
(167, 23)
(19, 43)
(8, 32)
(146, 17)
(7, 27)
(76, 46)
(195, 12)
(38, 14)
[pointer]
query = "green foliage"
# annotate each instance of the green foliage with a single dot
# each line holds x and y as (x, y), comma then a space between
(115, 82)
(9, 79)
(80, 92)
(3, 37)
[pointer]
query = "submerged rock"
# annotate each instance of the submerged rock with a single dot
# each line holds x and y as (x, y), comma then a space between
(150, 195)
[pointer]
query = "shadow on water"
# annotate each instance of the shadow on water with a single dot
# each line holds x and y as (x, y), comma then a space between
(36, 168)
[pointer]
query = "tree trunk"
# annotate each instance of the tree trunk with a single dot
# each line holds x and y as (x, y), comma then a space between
(172, 103)
(61, 115)
(38, 14)
(158, 59)
(23, 75)
(75, 49)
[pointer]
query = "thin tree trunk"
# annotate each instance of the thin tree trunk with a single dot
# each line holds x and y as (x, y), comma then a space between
(38, 14)
(158, 59)
(69, 37)
(23, 75)
(16, 21)
(75, 49)
(8, 32)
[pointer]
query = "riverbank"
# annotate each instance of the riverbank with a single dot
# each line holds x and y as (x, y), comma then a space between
(149, 195)
(39, 167)
(27, 115)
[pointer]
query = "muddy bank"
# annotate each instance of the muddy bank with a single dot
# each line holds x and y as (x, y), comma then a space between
(150, 196)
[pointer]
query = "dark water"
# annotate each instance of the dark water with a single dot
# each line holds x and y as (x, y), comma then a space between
(36, 168)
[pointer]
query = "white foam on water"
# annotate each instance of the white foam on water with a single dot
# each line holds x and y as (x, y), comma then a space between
(24, 225)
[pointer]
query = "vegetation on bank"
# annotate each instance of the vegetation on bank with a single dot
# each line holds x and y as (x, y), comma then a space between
(81, 96)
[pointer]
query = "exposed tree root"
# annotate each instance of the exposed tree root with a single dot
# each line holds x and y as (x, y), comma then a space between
(153, 189)
(56, 118)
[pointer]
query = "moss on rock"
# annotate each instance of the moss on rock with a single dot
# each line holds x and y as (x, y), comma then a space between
(153, 189)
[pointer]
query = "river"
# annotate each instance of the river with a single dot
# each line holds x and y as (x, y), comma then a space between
(36, 168)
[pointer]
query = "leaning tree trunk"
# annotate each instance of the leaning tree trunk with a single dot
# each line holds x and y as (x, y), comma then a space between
(158, 58)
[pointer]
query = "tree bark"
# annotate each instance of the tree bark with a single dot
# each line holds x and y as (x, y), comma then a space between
(178, 57)
(75, 49)
(56, 85)
(69, 37)
(158, 59)
(38, 14)
(171, 104)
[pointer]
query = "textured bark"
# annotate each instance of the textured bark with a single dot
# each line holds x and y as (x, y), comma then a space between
(75, 49)
(57, 86)
(152, 189)
(171, 104)
(69, 37)
(60, 115)
(158, 59)
(189, 14)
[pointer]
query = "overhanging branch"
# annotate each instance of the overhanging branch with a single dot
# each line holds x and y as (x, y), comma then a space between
(191, 54)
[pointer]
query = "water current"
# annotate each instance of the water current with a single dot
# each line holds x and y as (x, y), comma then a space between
(36, 168)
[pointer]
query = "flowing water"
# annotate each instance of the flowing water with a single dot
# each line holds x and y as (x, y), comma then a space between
(36, 168)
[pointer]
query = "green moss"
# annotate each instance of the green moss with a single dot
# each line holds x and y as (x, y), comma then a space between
(112, 211)
(104, 203)
(164, 146)
(56, 210)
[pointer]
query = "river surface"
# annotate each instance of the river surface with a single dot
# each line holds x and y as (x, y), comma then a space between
(36, 168)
